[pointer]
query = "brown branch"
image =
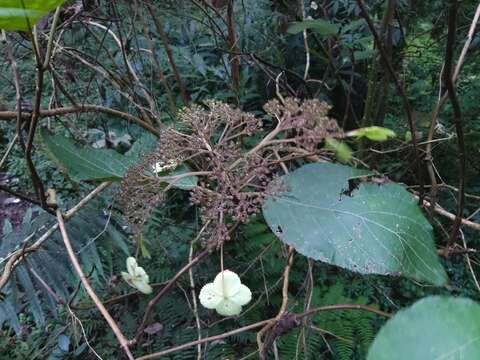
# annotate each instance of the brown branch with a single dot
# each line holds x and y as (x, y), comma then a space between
(37, 182)
(205, 340)
(10, 115)
(263, 323)
(400, 89)
(162, 292)
(158, 66)
(439, 210)
(24, 198)
(18, 91)
(194, 300)
(457, 115)
(232, 43)
(8, 150)
(76, 264)
(343, 307)
(115, 299)
(168, 50)
(263, 348)
(439, 106)
(27, 148)
(15, 258)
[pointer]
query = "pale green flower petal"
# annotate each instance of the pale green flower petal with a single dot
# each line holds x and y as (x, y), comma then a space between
(126, 276)
(242, 297)
(226, 294)
(136, 276)
(143, 287)
(131, 265)
(227, 282)
(210, 296)
(228, 308)
(140, 272)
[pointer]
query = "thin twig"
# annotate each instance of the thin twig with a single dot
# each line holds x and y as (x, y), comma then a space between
(76, 264)
(157, 297)
(10, 115)
(195, 304)
(469, 263)
(263, 323)
(263, 348)
(441, 211)
(61, 301)
(115, 299)
(457, 116)
(232, 44)
(18, 91)
(9, 150)
(168, 50)
(400, 89)
(305, 42)
(16, 257)
(439, 106)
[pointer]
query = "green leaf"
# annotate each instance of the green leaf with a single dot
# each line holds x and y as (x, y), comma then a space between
(187, 182)
(22, 15)
(436, 327)
(342, 150)
(327, 213)
(143, 248)
(374, 133)
(84, 163)
(142, 146)
(319, 26)
(89, 164)
(363, 55)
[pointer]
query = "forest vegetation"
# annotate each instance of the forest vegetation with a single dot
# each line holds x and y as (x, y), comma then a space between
(240, 179)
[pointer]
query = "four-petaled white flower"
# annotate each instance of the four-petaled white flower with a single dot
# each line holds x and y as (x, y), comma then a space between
(136, 276)
(226, 294)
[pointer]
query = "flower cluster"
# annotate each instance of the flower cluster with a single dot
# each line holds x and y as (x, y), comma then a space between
(308, 121)
(139, 193)
(237, 154)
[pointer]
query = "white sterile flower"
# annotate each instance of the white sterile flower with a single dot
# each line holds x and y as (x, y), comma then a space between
(226, 294)
(162, 166)
(136, 276)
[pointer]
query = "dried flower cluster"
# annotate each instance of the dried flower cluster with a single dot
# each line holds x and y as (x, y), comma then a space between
(236, 154)
(308, 121)
(138, 194)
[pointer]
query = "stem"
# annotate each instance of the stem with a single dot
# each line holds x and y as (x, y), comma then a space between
(260, 324)
(17, 256)
(76, 264)
(457, 115)
(400, 89)
(166, 44)
(10, 115)
(232, 42)
(157, 297)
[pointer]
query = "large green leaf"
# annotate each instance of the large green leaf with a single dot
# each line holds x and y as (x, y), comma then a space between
(436, 327)
(319, 26)
(358, 225)
(84, 163)
(89, 164)
(23, 14)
